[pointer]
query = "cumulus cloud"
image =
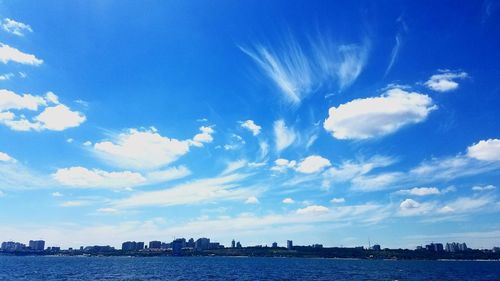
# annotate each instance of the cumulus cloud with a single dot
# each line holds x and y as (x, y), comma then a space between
(15, 27)
(378, 116)
(59, 118)
(313, 209)
(10, 100)
(252, 200)
(251, 126)
(55, 118)
(288, 200)
(84, 178)
(57, 194)
(142, 149)
(485, 150)
(445, 81)
(281, 165)
(205, 136)
(8, 53)
(420, 191)
(297, 70)
(284, 136)
(312, 164)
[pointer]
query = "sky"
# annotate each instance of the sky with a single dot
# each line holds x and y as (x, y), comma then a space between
(335, 122)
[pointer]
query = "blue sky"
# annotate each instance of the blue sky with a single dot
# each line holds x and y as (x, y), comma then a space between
(320, 122)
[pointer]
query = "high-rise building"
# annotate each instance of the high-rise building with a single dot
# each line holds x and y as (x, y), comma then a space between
(376, 247)
(238, 245)
(13, 246)
(190, 243)
(155, 245)
(177, 246)
(37, 245)
(132, 246)
(233, 244)
(202, 244)
(275, 245)
(289, 244)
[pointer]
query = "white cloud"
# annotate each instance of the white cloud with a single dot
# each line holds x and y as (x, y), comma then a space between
(353, 58)
(55, 118)
(445, 81)
(252, 200)
(87, 143)
(312, 164)
(8, 53)
(290, 70)
(57, 194)
(410, 207)
(199, 191)
(234, 166)
(288, 200)
(337, 200)
(264, 149)
(378, 116)
(313, 209)
(420, 191)
(108, 210)
(15, 27)
(486, 150)
(483, 188)
(59, 118)
(466, 205)
(251, 126)
(350, 170)
(204, 137)
(168, 174)
(69, 140)
(141, 149)
(80, 177)
(281, 165)
(299, 70)
(284, 136)
(394, 54)
(6, 76)
(377, 182)
(74, 203)
(10, 100)
(4, 157)
(84, 178)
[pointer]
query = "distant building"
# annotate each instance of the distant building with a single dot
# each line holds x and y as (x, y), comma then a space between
(98, 249)
(13, 246)
(54, 249)
(456, 247)
(37, 245)
(317, 246)
(233, 244)
(190, 243)
(214, 245)
(275, 245)
(289, 244)
(496, 249)
(238, 245)
(434, 247)
(154, 244)
(376, 247)
(132, 246)
(202, 244)
(177, 246)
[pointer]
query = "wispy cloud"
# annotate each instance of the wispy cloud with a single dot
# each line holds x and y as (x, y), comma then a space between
(445, 81)
(300, 69)
(284, 136)
(15, 27)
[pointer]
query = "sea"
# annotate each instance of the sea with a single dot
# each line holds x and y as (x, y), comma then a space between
(239, 268)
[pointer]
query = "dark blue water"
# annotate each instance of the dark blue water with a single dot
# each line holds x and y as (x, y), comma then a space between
(221, 268)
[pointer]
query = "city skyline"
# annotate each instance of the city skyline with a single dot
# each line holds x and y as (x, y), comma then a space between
(257, 121)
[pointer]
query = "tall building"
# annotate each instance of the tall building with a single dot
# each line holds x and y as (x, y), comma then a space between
(289, 244)
(132, 246)
(177, 246)
(37, 245)
(238, 245)
(13, 246)
(190, 243)
(376, 247)
(202, 244)
(233, 244)
(154, 244)
(275, 245)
